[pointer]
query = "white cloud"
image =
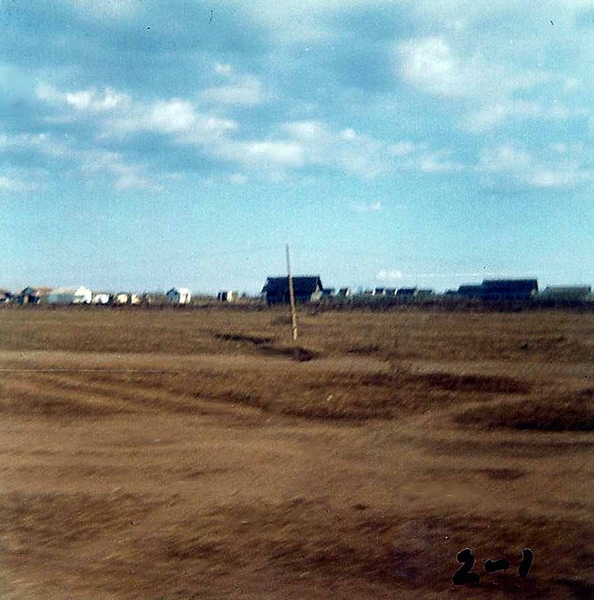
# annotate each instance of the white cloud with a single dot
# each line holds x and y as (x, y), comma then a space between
(131, 180)
(223, 69)
(506, 158)
(89, 100)
(246, 91)
(293, 146)
(44, 143)
(347, 150)
(389, 275)
(111, 9)
(560, 178)
(510, 167)
(124, 175)
(11, 184)
(411, 156)
(171, 116)
(274, 155)
(431, 65)
(492, 115)
(372, 207)
(486, 88)
(437, 162)
(176, 117)
(93, 101)
(238, 90)
(307, 131)
(404, 148)
(238, 179)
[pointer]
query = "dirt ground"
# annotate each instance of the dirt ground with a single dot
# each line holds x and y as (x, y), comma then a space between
(200, 454)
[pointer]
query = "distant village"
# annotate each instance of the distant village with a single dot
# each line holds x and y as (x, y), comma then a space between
(306, 289)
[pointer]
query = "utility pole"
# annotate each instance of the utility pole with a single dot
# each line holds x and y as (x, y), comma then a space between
(291, 296)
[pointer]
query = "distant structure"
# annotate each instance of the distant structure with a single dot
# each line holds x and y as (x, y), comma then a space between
(121, 298)
(566, 293)
(178, 296)
(307, 289)
(28, 295)
(328, 292)
(344, 292)
(227, 296)
(509, 289)
(101, 298)
(408, 292)
(471, 292)
(413, 293)
(70, 295)
(498, 290)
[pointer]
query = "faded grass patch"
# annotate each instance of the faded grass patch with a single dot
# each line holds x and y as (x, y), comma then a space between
(566, 412)
(492, 384)
(315, 542)
(290, 391)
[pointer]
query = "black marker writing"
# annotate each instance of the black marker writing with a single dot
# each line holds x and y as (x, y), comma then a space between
(464, 575)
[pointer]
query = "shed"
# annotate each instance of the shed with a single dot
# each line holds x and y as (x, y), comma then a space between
(227, 296)
(28, 295)
(70, 295)
(101, 298)
(178, 296)
(307, 288)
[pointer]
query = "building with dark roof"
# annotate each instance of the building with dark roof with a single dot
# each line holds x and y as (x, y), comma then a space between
(471, 291)
(567, 292)
(306, 288)
(509, 289)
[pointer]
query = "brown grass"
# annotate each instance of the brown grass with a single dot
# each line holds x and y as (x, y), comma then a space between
(565, 412)
(203, 454)
(416, 334)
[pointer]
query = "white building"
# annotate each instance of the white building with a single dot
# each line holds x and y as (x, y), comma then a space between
(70, 295)
(101, 298)
(227, 296)
(178, 296)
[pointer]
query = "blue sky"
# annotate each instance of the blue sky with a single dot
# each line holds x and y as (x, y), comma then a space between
(146, 144)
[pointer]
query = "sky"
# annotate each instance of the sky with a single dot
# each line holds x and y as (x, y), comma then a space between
(148, 144)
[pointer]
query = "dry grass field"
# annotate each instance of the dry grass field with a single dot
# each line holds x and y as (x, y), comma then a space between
(171, 454)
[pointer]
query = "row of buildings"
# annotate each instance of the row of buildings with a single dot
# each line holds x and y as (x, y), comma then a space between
(83, 295)
(308, 289)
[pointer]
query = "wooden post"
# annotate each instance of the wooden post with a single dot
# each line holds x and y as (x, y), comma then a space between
(291, 296)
